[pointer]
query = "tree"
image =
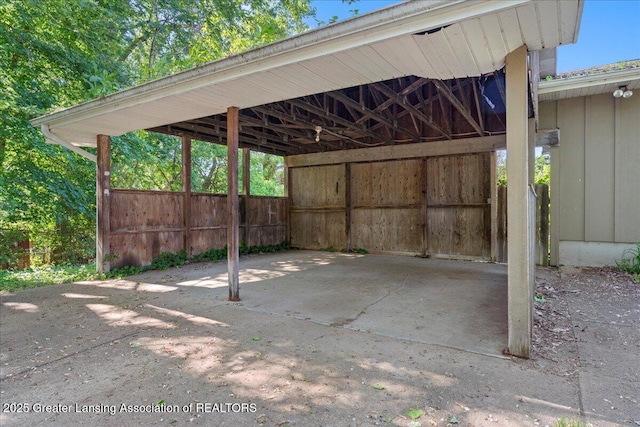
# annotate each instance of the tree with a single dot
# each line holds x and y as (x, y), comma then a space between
(56, 53)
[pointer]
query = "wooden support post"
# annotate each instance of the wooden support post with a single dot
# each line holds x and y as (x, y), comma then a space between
(186, 189)
(246, 192)
(347, 204)
(494, 206)
(103, 203)
(287, 186)
(424, 212)
(520, 240)
(554, 188)
(233, 222)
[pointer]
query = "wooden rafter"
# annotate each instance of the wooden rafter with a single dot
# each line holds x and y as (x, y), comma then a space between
(447, 93)
(404, 103)
(398, 111)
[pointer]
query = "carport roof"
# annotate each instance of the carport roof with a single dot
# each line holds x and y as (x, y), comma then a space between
(434, 39)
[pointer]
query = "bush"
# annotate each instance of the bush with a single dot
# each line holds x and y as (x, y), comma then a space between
(10, 251)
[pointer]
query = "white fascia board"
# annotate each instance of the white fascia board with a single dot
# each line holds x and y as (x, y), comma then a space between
(580, 82)
(405, 18)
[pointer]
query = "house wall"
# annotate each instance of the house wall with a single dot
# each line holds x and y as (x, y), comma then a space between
(599, 176)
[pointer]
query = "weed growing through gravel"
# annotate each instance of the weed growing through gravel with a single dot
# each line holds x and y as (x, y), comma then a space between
(570, 423)
(630, 262)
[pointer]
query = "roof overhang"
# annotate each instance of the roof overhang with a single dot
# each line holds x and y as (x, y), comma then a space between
(587, 85)
(434, 39)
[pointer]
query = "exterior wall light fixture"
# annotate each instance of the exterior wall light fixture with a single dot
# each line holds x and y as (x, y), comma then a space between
(622, 92)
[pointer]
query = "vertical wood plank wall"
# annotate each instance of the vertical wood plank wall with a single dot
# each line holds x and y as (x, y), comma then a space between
(437, 206)
(147, 223)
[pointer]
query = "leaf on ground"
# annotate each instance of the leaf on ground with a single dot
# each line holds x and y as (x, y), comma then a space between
(414, 413)
(256, 338)
(378, 386)
(453, 420)
(160, 402)
(539, 298)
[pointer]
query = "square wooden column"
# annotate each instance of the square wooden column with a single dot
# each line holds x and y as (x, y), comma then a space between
(246, 192)
(519, 208)
(186, 189)
(233, 205)
(103, 203)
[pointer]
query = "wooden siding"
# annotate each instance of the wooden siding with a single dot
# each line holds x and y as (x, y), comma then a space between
(147, 223)
(627, 170)
(571, 122)
(437, 206)
(385, 206)
(318, 206)
(598, 172)
(458, 208)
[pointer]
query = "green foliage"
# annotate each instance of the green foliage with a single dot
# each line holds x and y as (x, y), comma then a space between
(330, 249)
(168, 260)
(630, 262)
(362, 251)
(10, 252)
(542, 170)
(45, 276)
(214, 255)
(56, 53)
(53, 275)
(563, 422)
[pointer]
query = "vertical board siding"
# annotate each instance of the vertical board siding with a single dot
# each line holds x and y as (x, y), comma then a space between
(386, 203)
(317, 211)
(599, 156)
(598, 172)
(542, 224)
(147, 223)
(133, 210)
(390, 206)
(459, 213)
(627, 170)
(571, 121)
(267, 220)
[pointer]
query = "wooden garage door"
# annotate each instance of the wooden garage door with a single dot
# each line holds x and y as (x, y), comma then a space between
(458, 208)
(317, 212)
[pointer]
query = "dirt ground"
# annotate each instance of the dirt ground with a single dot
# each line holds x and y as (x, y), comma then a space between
(145, 351)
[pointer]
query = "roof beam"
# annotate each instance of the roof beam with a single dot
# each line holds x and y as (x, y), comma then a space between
(404, 103)
(336, 119)
(446, 92)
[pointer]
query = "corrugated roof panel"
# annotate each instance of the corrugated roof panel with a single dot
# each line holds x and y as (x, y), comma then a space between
(548, 20)
(529, 26)
(510, 29)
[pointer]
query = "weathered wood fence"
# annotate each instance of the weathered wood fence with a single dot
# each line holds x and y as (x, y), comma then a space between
(542, 225)
(143, 224)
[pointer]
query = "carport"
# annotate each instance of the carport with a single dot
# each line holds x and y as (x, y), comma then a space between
(372, 115)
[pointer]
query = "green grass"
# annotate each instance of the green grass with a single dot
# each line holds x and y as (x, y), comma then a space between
(570, 423)
(11, 280)
(630, 262)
